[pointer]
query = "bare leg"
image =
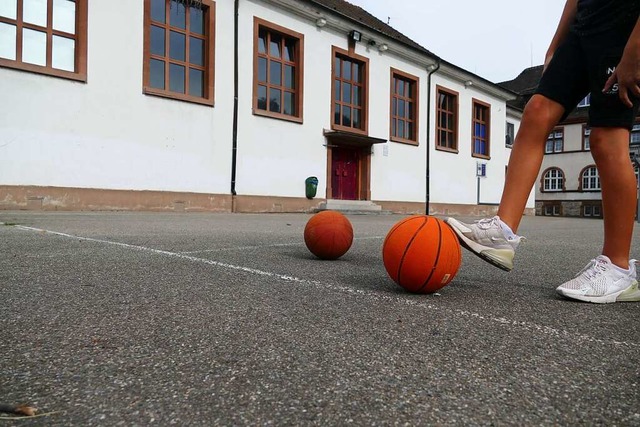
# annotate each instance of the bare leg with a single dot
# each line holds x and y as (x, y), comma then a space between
(540, 116)
(610, 150)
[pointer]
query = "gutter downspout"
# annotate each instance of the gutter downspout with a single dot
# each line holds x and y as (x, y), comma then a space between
(234, 152)
(428, 148)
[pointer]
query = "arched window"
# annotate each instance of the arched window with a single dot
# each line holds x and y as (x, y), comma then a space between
(553, 180)
(590, 179)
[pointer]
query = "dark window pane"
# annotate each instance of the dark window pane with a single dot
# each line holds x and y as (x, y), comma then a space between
(357, 72)
(196, 82)
(262, 70)
(336, 90)
(156, 74)
(262, 97)
(262, 41)
(274, 45)
(410, 111)
(177, 14)
(289, 77)
(289, 103)
(177, 46)
(400, 88)
(275, 73)
(409, 131)
(196, 51)
(336, 114)
(346, 69)
(289, 50)
(346, 93)
(157, 40)
(394, 106)
(356, 96)
(336, 67)
(176, 78)
(393, 127)
(196, 20)
(158, 10)
(407, 89)
(400, 128)
(401, 104)
(275, 100)
(346, 116)
(356, 118)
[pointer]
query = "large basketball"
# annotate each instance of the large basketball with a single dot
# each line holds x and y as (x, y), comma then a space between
(328, 235)
(421, 253)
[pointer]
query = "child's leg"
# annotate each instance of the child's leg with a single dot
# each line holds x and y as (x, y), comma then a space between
(539, 118)
(610, 150)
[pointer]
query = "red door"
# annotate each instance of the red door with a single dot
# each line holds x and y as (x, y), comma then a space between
(344, 180)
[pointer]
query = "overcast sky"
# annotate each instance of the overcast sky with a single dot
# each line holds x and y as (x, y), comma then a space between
(495, 39)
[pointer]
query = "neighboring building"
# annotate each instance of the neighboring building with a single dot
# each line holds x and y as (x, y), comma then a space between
(568, 183)
(231, 106)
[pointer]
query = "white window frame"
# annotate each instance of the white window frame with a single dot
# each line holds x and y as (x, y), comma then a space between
(590, 179)
(586, 101)
(510, 134)
(553, 178)
(555, 142)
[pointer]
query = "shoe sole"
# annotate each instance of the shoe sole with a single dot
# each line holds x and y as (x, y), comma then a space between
(481, 251)
(630, 294)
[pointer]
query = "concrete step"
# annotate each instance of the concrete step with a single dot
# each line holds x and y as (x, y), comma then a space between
(352, 207)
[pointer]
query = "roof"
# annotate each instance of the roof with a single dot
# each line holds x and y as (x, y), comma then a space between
(358, 14)
(526, 82)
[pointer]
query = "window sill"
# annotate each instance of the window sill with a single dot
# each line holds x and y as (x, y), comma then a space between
(38, 69)
(349, 129)
(177, 96)
(284, 117)
(447, 149)
(404, 141)
(481, 156)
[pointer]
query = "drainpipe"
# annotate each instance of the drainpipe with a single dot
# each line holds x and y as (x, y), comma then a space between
(234, 152)
(430, 70)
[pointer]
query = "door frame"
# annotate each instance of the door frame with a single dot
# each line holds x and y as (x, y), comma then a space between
(363, 182)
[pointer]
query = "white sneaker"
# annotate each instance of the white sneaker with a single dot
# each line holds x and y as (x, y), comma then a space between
(487, 239)
(601, 282)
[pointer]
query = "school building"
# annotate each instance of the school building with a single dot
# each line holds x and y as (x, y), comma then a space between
(231, 105)
(568, 183)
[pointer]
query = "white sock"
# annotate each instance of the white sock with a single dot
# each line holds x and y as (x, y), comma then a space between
(508, 233)
(620, 269)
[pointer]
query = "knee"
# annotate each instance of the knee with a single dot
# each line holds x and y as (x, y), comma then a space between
(542, 111)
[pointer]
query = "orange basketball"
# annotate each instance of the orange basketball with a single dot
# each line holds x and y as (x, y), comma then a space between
(421, 253)
(328, 235)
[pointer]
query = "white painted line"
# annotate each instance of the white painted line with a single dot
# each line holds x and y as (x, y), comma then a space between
(527, 326)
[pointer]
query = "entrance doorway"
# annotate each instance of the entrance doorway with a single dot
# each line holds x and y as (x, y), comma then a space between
(345, 162)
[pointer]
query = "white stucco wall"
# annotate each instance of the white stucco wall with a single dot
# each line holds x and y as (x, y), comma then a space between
(107, 133)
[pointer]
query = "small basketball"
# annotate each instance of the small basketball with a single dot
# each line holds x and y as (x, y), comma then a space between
(328, 235)
(421, 253)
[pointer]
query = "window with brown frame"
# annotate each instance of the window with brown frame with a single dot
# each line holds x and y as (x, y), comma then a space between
(45, 36)
(349, 92)
(481, 120)
(178, 54)
(404, 107)
(278, 71)
(447, 120)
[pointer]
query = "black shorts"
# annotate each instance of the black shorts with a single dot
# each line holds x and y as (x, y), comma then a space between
(582, 65)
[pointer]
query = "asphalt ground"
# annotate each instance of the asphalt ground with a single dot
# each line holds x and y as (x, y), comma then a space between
(227, 319)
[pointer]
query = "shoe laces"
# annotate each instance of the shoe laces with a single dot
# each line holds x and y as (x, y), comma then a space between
(595, 268)
(487, 223)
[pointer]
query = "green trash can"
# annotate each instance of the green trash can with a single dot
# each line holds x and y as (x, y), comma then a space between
(311, 187)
